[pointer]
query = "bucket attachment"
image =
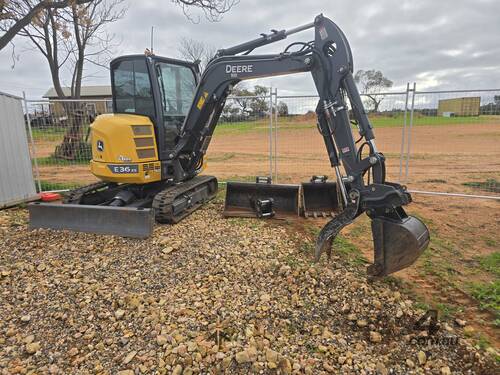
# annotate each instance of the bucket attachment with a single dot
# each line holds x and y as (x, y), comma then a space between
(319, 197)
(398, 243)
(122, 221)
(264, 200)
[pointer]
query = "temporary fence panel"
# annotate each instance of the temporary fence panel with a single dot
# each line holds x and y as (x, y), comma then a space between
(301, 152)
(61, 140)
(16, 178)
(454, 142)
(240, 149)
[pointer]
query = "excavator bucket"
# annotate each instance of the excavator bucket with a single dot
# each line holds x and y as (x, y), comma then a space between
(122, 221)
(261, 199)
(319, 198)
(398, 243)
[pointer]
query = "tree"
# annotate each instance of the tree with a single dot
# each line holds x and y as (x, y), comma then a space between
(282, 109)
(213, 9)
(245, 102)
(372, 83)
(259, 104)
(194, 50)
(15, 15)
(69, 38)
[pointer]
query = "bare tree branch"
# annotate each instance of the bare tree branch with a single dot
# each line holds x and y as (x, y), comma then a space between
(213, 9)
(193, 50)
(15, 15)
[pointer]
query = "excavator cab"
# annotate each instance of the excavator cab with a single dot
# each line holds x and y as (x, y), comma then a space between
(157, 87)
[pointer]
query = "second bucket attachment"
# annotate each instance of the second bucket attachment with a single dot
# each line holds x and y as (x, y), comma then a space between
(261, 199)
(319, 198)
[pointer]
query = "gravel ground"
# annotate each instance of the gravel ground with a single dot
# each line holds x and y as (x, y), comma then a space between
(209, 295)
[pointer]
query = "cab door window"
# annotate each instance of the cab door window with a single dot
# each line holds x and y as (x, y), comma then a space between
(132, 88)
(177, 88)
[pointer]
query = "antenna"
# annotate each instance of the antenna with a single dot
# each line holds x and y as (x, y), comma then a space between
(152, 38)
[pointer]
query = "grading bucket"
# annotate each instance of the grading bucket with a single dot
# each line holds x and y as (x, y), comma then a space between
(243, 198)
(398, 243)
(319, 199)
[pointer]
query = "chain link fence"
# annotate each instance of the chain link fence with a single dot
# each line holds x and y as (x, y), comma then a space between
(434, 142)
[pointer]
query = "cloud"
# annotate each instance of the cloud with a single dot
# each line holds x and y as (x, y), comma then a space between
(447, 44)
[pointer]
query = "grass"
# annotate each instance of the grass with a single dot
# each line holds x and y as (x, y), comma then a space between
(447, 311)
(53, 134)
(491, 263)
(296, 123)
(348, 251)
(48, 134)
(491, 185)
(52, 160)
(49, 185)
(488, 295)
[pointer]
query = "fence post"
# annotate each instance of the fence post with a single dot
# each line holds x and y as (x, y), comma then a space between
(32, 141)
(276, 135)
(271, 132)
(409, 131)
(403, 135)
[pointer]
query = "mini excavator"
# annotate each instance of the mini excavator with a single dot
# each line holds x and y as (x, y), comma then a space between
(148, 154)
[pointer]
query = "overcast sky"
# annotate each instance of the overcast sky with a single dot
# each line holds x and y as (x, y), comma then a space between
(445, 44)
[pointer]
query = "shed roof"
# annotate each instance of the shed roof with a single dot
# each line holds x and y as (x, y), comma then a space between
(87, 91)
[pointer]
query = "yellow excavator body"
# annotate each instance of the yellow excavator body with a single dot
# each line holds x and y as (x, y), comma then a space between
(124, 149)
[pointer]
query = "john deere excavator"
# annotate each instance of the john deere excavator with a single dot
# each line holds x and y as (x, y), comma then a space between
(149, 153)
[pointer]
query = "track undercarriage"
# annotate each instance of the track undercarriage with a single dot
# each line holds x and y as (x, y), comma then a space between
(125, 209)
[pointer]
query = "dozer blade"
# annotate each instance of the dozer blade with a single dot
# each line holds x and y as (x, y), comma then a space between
(319, 199)
(122, 221)
(242, 198)
(398, 243)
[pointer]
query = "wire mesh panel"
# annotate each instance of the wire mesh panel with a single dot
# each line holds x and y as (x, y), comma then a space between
(454, 145)
(240, 146)
(300, 150)
(61, 139)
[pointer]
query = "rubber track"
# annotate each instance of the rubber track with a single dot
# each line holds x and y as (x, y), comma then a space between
(163, 201)
(75, 196)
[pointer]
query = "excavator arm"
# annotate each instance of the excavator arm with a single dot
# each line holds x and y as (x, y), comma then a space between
(398, 238)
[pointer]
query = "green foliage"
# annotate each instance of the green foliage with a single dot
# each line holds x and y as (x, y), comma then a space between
(50, 185)
(52, 160)
(488, 295)
(490, 184)
(491, 263)
(446, 311)
(347, 250)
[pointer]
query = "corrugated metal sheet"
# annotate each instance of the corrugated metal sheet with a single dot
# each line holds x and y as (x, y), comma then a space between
(16, 175)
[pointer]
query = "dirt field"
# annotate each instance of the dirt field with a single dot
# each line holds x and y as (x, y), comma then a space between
(453, 154)
(442, 157)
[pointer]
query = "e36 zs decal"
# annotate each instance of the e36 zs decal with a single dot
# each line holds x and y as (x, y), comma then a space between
(123, 168)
